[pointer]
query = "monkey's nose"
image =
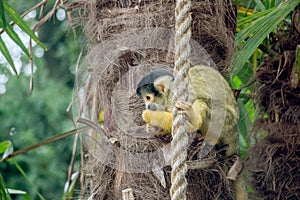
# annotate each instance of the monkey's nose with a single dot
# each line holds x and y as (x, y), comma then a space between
(151, 107)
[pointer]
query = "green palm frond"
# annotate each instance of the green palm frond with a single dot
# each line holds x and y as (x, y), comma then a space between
(249, 38)
(4, 50)
(5, 8)
(17, 19)
(2, 14)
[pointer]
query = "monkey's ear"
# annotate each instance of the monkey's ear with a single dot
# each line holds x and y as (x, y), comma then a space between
(163, 83)
(161, 87)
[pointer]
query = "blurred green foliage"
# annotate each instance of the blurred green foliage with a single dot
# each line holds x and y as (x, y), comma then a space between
(27, 119)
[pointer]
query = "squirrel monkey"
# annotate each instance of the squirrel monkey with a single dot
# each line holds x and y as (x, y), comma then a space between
(206, 88)
(156, 90)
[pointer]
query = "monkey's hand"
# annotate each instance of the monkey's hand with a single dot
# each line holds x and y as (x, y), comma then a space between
(147, 116)
(160, 119)
(193, 111)
(183, 106)
(153, 130)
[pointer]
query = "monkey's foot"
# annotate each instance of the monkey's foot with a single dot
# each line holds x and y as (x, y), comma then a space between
(153, 130)
(205, 150)
(146, 116)
(183, 106)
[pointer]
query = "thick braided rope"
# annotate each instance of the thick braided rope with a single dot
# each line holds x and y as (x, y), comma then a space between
(179, 143)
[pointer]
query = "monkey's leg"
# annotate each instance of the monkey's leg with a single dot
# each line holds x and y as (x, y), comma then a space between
(198, 114)
(159, 118)
(240, 189)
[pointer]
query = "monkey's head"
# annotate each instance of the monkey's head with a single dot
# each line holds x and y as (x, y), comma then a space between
(155, 89)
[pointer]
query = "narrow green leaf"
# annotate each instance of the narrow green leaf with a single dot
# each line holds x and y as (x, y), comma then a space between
(2, 15)
(256, 22)
(272, 4)
(4, 145)
(259, 4)
(28, 179)
(244, 126)
(14, 191)
(19, 192)
(6, 148)
(246, 20)
(22, 24)
(4, 195)
(7, 55)
(26, 197)
(236, 82)
(249, 5)
(258, 31)
(69, 194)
(1, 23)
(277, 2)
(12, 34)
(267, 4)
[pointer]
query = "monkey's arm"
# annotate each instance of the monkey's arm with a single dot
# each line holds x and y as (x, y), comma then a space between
(161, 119)
(197, 113)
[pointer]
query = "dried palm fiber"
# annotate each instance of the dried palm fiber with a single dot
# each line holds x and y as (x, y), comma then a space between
(213, 22)
(117, 59)
(274, 161)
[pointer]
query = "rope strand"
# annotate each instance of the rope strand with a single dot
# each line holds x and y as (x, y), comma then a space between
(180, 138)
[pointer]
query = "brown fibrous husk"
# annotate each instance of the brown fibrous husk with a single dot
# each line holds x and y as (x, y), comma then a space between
(213, 22)
(274, 161)
(213, 25)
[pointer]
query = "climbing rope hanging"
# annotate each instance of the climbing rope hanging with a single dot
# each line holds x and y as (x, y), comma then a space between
(180, 138)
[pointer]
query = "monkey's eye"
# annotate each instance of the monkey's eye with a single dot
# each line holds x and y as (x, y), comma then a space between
(149, 97)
